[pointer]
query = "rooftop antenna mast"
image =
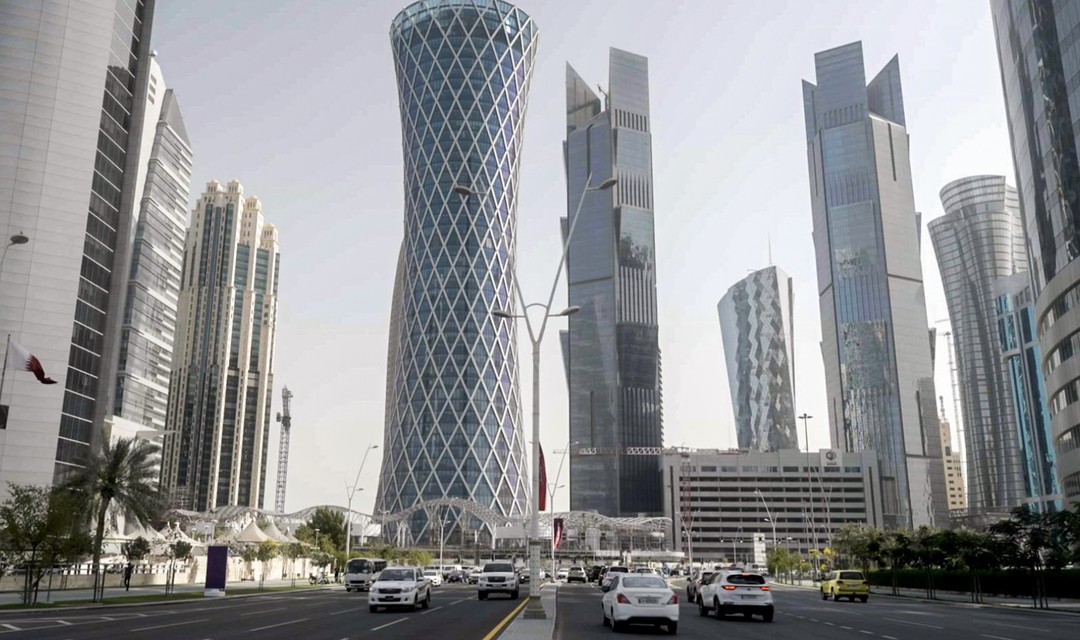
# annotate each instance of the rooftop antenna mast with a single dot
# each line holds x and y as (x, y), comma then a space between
(285, 418)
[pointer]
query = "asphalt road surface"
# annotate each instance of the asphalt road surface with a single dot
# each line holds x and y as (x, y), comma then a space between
(330, 614)
(802, 615)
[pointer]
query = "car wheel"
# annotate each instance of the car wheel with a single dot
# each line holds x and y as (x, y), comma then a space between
(514, 594)
(616, 626)
(672, 628)
(701, 610)
(716, 609)
(482, 595)
(863, 598)
(373, 609)
(824, 596)
(604, 612)
(767, 616)
(427, 601)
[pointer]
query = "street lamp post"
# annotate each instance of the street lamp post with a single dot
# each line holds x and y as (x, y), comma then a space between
(349, 493)
(805, 417)
(554, 486)
(689, 548)
(768, 513)
(18, 238)
(535, 609)
(317, 530)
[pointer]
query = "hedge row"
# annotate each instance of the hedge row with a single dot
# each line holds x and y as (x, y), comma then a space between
(1059, 584)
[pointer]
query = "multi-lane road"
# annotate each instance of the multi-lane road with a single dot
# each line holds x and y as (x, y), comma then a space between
(802, 615)
(456, 614)
(330, 614)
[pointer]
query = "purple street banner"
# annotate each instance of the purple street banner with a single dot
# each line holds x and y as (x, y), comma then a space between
(558, 533)
(217, 569)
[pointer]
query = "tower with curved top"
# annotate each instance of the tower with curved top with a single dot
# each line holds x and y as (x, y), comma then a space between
(453, 415)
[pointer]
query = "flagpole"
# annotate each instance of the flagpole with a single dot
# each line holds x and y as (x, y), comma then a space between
(3, 374)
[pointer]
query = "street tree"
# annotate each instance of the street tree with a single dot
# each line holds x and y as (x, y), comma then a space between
(124, 474)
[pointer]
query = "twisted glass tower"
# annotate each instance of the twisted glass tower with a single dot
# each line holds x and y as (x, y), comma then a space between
(453, 410)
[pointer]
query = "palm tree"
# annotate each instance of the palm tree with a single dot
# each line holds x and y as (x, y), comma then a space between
(124, 473)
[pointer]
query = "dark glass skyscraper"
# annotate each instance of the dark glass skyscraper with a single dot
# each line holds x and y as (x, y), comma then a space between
(453, 412)
(612, 347)
(1039, 54)
(878, 366)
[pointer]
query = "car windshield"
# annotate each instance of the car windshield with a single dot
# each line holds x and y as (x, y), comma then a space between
(618, 570)
(358, 566)
(396, 574)
(851, 575)
(643, 582)
(705, 575)
(499, 567)
(431, 573)
(745, 578)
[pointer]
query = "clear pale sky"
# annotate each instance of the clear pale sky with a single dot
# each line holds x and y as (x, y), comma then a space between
(298, 101)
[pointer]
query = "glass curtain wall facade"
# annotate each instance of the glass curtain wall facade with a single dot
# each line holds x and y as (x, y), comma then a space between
(758, 331)
(146, 338)
(453, 406)
(1038, 45)
(979, 240)
(878, 367)
(222, 380)
(70, 128)
(612, 345)
(1015, 306)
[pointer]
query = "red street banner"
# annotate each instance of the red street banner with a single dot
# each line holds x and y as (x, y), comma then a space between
(557, 532)
(542, 499)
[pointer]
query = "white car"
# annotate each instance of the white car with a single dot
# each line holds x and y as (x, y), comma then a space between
(729, 592)
(497, 577)
(610, 576)
(562, 574)
(400, 587)
(433, 576)
(640, 599)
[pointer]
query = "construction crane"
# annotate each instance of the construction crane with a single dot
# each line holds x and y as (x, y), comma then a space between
(285, 418)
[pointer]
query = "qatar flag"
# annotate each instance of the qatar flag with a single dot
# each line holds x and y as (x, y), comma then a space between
(21, 359)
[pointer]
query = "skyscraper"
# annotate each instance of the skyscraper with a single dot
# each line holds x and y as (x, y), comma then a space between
(1039, 56)
(223, 366)
(878, 371)
(1021, 357)
(979, 240)
(758, 331)
(954, 471)
(453, 412)
(72, 81)
(612, 346)
(149, 324)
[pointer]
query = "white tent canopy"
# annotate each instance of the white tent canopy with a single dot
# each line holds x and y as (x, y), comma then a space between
(275, 534)
(252, 534)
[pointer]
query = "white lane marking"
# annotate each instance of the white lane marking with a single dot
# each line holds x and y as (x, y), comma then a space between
(64, 622)
(918, 624)
(260, 612)
(338, 613)
(175, 624)
(390, 623)
(888, 637)
(814, 620)
(430, 611)
(843, 627)
(987, 635)
(280, 624)
(457, 601)
(869, 633)
(12, 627)
(1013, 626)
(829, 623)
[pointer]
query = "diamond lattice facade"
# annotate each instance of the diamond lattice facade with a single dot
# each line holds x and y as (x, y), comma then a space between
(757, 326)
(878, 369)
(453, 414)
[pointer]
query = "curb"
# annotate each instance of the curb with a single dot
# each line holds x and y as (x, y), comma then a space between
(973, 605)
(124, 605)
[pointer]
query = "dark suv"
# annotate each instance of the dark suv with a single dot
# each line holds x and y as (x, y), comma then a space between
(594, 573)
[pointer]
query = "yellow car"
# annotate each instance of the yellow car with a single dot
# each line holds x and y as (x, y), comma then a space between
(845, 584)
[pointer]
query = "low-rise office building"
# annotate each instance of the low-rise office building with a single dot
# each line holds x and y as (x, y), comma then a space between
(720, 502)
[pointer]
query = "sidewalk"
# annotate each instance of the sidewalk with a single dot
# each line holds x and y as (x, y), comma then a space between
(957, 597)
(522, 629)
(66, 595)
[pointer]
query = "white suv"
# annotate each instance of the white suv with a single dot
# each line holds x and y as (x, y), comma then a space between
(497, 577)
(400, 587)
(734, 592)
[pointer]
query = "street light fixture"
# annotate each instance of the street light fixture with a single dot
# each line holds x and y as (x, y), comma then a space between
(769, 519)
(350, 491)
(534, 609)
(806, 417)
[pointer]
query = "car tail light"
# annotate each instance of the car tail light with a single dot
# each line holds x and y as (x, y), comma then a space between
(766, 588)
(729, 587)
(621, 599)
(674, 599)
